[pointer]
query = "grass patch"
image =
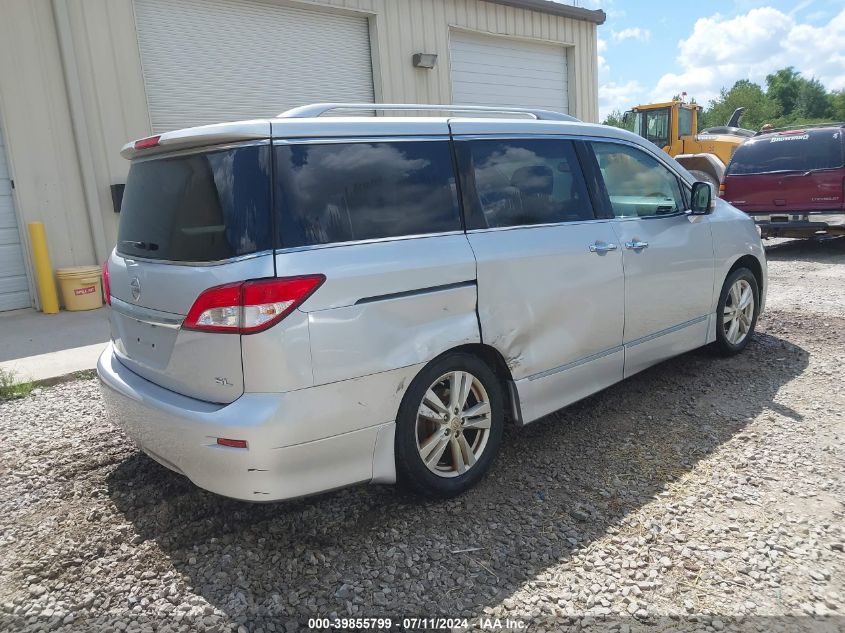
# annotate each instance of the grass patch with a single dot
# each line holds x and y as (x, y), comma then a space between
(11, 388)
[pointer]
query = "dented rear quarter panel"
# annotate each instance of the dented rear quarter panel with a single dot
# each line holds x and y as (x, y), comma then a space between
(386, 304)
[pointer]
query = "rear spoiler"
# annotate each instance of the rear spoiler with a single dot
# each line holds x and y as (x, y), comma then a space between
(206, 135)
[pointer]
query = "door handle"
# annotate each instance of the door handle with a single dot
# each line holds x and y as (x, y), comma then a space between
(602, 247)
(636, 245)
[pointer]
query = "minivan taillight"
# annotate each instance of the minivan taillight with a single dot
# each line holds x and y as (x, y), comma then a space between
(146, 143)
(250, 306)
(106, 285)
(722, 190)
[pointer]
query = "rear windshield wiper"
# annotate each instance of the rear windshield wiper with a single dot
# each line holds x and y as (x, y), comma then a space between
(144, 246)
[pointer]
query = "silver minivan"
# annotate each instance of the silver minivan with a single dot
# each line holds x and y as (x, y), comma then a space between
(309, 302)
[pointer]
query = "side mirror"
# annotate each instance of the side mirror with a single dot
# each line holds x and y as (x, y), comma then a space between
(701, 202)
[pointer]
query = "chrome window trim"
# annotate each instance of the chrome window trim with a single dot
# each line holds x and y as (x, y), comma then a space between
(342, 140)
(377, 240)
(217, 262)
(201, 149)
(147, 315)
(629, 218)
(538, 226)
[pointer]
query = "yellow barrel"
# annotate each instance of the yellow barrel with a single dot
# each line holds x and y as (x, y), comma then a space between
(43, 268)
(81, 286)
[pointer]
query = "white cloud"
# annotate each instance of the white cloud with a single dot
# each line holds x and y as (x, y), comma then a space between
(604, 68)
(613, 96)
(722, 50)
(632, 33)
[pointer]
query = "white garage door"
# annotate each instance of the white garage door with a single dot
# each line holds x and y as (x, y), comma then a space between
(488, 70)
(14, 290)
(208, 61)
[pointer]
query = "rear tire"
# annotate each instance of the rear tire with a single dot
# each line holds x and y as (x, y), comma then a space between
(449, 426)
(737, 311)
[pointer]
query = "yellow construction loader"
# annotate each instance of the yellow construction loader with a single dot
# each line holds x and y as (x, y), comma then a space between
(673, 126)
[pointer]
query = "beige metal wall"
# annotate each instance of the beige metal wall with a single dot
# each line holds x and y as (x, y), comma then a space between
(37, 123)
(72, 92)
(400, 28)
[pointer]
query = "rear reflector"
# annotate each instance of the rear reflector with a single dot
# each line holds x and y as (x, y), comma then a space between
(145, 143)
(224, 441)
(250, 306)
(106, 285)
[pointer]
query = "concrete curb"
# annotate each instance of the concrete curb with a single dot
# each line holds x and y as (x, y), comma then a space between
(82, 374)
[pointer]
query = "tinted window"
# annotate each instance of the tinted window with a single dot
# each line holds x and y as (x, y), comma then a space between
(358, 191)
(199, 208)
(637, 184)
(802, 151)
(521, 182)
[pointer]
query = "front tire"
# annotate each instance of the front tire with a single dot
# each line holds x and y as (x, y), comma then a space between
(736, 314)
(449, 426)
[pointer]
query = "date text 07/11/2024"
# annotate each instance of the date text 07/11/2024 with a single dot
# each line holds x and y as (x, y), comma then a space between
(416, 624)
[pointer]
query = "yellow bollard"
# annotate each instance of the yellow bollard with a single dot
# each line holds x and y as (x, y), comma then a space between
(43, 268)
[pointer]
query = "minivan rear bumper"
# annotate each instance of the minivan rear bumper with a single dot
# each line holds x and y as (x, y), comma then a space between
(181, 433)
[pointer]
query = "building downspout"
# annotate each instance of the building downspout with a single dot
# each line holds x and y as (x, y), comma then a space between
(84, 154)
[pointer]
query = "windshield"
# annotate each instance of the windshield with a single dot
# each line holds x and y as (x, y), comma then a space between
(790, 151)
(198, 208)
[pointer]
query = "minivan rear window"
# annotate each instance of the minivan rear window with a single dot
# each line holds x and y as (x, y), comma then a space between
(793, 151)
(199, 207)
(343, 192)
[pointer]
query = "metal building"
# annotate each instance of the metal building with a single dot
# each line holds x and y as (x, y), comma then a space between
(79, 78)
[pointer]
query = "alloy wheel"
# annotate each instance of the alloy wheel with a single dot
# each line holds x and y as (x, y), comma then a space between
(453, 424)
(739, 312)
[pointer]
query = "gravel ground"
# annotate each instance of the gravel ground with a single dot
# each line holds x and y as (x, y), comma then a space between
(703, 492)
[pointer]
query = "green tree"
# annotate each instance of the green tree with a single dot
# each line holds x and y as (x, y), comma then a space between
(836, 102)
(784, 87)
(812, 102)
(614, 118)
(759, 108)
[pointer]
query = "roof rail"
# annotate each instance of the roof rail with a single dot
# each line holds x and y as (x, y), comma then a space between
(799, 127)
(319, 109)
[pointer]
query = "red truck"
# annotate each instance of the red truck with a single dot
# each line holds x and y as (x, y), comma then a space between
(791, 181)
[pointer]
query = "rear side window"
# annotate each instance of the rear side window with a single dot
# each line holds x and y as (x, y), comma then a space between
(199, 207)
(342, 192)
(518, 182)
(790, 151)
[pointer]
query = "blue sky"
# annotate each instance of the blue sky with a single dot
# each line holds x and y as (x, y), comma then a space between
(650, 50)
